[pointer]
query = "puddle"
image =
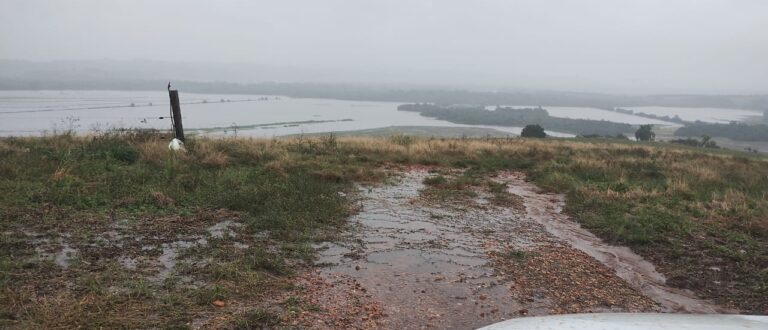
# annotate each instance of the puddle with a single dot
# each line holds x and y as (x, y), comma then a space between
(546, 209)
(65, 255)
(425, 270)
(222, 229)
(128, 262)
(170, 251)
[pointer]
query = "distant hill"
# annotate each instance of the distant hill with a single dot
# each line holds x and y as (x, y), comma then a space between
(253, 79)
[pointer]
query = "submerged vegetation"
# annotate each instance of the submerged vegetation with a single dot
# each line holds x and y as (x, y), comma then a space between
(116, 231)
(733, 130)
(672, 119)
(517, 117)
(705, 142)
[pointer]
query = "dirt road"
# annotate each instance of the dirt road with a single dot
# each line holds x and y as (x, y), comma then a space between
(411, 263)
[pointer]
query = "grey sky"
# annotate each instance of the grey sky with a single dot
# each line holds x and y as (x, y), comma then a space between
(641, 46)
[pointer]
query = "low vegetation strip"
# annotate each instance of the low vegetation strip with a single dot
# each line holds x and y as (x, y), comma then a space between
(733, 130)
(116, 231)
(518, 117)
(235, 126)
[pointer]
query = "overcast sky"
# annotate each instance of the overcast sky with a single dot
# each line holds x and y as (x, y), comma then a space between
(641, 46)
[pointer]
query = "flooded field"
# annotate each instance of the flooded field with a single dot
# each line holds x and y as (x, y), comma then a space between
(38, 112)
(434, 265)
(708, 115)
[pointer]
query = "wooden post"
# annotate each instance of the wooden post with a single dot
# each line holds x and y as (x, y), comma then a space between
(178, 128)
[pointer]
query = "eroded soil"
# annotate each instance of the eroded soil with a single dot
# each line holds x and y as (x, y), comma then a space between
(415, 263)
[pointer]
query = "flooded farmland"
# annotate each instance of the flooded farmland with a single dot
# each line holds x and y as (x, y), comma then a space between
(40, 112)
(31, 113)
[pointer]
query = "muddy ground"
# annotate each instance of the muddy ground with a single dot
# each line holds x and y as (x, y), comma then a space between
(412, 262)
(412, 256)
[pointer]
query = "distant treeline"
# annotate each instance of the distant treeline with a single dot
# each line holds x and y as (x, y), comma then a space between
(705, 142)
(517, 117)
(734, 131)
(389, 93)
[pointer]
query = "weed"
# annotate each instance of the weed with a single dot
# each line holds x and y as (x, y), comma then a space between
(256, 318)
(206, 295)
(436, 180)
(517, 255)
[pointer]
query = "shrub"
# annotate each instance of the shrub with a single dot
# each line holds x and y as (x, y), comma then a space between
(535, 131)
(645, 133)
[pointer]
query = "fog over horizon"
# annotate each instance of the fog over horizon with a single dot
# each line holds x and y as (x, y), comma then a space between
(631, 47)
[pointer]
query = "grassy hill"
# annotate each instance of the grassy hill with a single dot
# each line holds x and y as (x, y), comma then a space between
(700, 216)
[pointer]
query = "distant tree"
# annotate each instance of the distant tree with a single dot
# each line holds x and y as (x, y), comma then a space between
(706, 142)
(535, 131)
(645, 133)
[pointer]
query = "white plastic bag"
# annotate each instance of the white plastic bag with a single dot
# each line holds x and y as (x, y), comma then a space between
(176, 145)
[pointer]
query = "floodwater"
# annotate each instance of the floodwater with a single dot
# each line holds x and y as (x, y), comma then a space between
(599, 114)
(709, 115)
(37, 112)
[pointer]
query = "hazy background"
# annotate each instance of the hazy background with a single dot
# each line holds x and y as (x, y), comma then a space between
(642, 46)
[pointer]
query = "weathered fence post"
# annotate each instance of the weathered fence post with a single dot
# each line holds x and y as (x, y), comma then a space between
(178, 128)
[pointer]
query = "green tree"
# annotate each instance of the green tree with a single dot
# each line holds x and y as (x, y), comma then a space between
(645, 133)
(535, 131)
(707, 142)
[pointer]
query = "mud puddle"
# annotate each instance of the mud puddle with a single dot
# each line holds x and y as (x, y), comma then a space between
(546, 209)
(432, 265)
(422, 263)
